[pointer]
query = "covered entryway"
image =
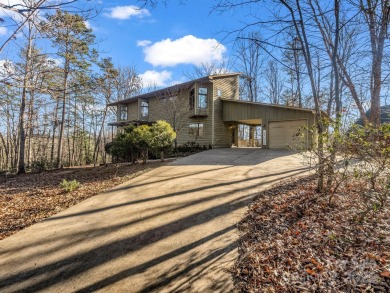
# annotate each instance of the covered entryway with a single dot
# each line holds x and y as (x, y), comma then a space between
(249, 135)
(288, 134)
(282, 127)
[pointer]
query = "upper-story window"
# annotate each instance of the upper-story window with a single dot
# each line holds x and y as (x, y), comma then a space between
(123, 113)
(144, 109)
(192, 99)
(202, 98)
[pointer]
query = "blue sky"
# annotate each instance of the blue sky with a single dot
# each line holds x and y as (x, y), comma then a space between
(166, 42)
(163, 44)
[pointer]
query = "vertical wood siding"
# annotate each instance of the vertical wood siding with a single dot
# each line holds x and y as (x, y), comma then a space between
(229, 90)
(220, 115)
(233, 111)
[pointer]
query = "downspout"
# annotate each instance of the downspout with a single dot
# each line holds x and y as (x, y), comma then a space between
(212, 115)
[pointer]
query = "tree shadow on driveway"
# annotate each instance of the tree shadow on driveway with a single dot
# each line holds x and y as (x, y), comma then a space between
(172, 239)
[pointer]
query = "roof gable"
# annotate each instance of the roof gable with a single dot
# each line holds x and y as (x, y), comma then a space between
(174, 88)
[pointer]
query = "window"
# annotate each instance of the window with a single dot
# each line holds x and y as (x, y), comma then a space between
(195, 129)
(192, 99)
(202, 98)
(219, 93)
(144, 109)
(123, 113)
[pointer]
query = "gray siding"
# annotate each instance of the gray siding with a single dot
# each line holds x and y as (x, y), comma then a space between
(132, 111)
(158, 111)
(229, 87)
(206, 119)
(233, 111)
(229, 90)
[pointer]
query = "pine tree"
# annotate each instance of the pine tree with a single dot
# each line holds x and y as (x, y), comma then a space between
(73, 41)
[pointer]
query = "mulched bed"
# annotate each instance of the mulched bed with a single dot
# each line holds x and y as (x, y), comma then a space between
(30, 198)
(293, 241)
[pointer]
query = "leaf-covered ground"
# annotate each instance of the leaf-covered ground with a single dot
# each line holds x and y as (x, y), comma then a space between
(29, 198)
(293, 241)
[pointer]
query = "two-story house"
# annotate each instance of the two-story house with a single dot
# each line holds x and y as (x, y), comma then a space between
(209, 111)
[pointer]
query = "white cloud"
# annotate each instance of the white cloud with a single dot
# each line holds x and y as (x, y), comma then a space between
(52, 62)
(88, 24)
(3, 31)
(6, 69)
(127, 12)
(143, 43)
(3, 12)
(91, 26)
(156, 78)
(186, 50)
(17, 5)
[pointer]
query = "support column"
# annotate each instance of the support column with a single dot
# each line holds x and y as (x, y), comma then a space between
(253, 135)
(264, 138)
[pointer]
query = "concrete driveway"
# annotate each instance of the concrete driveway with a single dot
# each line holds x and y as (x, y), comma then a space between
(169, 230)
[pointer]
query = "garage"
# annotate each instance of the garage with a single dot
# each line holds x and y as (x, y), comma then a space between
(288, 134)
(279, 124)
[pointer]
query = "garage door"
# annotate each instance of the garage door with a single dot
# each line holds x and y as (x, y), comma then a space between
(285, 134)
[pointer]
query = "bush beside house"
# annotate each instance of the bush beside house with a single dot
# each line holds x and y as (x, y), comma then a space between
(139, 141)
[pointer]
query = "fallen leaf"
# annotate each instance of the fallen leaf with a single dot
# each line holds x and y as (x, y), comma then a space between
(310, 272)
(385, 274)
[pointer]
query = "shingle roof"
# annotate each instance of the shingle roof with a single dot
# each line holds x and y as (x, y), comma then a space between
(171, 89)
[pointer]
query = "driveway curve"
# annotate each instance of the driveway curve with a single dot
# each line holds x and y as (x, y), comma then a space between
(168, 230)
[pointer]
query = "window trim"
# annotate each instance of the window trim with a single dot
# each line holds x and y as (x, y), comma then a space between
(205, 96)
(121, 107)
(196, 129)
(144, 107)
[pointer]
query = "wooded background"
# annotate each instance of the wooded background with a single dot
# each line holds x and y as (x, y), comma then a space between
(329, 55)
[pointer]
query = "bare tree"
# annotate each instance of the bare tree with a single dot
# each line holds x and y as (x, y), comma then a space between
(250, 63)
(106, 85)
(23, 14)
(127, 83)
(175, 107)
(377, 16)
(275, 84)
(25, 89)
(297, 17)
(206, 69)
(293, 60)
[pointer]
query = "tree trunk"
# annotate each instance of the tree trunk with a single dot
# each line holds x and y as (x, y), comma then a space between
(332, 159)
(74, 136)
(97, 144)
(30, 127)
(26, 84)
(64, 96)
(54, 131)
(301, 33)
(378, 33)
